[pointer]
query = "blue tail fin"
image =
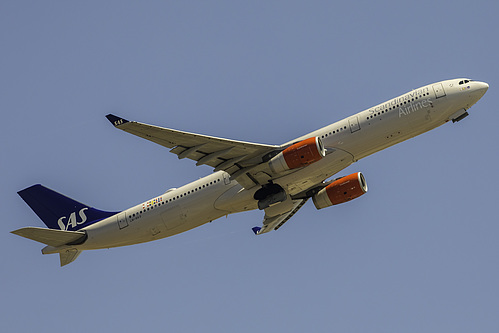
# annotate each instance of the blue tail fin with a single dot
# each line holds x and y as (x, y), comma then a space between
(60, 212)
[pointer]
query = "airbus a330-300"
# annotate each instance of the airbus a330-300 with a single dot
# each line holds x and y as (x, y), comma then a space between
(277, 179)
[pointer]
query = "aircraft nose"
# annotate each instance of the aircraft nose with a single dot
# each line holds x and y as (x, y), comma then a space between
(479, 89)
(482, 87)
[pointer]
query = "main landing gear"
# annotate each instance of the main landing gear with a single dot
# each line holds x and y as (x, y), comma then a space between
(269, 195)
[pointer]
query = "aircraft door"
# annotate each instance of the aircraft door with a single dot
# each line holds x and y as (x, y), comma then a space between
(354, 124)
(439, 90)
(226, 178)
(174, 217)
(122, 222)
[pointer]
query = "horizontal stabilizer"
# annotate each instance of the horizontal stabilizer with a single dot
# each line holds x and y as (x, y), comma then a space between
(51, 237)
(68, 256)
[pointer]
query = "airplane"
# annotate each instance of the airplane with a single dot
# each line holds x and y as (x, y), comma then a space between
(277, 179)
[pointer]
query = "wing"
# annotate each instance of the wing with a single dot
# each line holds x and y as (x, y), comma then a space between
(234, 157)
(275, 222)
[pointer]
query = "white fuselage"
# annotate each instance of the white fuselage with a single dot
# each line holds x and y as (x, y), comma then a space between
(346, 141)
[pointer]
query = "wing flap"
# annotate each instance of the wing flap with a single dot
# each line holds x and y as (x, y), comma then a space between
(275, 222)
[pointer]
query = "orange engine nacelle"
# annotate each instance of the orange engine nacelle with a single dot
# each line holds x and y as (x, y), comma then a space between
(341, 190)
(298, 155)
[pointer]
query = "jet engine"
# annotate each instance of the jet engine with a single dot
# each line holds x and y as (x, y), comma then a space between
(341, 190)
(298, 155)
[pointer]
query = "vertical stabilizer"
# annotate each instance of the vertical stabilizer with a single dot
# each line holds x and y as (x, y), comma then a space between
(60, 212)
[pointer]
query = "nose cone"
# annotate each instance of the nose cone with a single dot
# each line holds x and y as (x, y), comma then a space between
(478, 89)
(482, 86)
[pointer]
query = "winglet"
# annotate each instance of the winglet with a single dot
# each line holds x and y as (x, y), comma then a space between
(115, 120)
(256, 230)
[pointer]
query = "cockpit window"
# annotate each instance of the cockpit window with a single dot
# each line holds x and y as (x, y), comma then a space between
(464, 81)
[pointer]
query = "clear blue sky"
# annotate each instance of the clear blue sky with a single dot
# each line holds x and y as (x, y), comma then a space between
(418, 253)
